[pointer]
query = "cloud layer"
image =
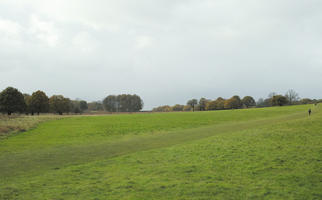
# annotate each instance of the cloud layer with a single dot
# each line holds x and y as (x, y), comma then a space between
(164, 51)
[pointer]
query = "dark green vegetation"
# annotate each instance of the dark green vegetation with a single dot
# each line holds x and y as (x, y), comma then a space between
(123, 103)
(13, 101)
(270, 153)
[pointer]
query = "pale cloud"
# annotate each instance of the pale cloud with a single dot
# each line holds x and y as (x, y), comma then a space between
(9, 28)
(166, 51)
(43, 30)
(85, 42)
(10, 33)
(143, 41)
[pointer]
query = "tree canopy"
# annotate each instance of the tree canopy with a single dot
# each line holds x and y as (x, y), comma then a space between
(248, 101)
(279, 100)
(203, 104)
(192, 103)
(12, 100)
(123, 103)
(233, 103)
(39, 102)
(59, 104)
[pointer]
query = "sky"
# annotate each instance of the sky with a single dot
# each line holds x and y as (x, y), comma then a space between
(165, 51)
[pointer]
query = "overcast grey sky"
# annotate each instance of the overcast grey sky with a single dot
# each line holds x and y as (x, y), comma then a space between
(166, 51)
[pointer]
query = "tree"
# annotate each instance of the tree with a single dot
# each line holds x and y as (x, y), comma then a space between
(233, 103)
(27, 98)
(306, 101)
(164, 108)
(177, 107)
(111, 103)
(220, 103)
(123, 103)
(217, 104)
(248, 101)
(95, 106)
(192, 103)
(83, 106)
(59, 104)
(136, 103)
(211, 105)
(203, 103)
(263, 102)
(12, 100)
(75, 106)
(292, 96)
(279, 100)
(228, 104)
(260, 102)
(187, 108)
(39, 102)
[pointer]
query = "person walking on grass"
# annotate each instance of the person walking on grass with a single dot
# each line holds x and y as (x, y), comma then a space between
(310, 111)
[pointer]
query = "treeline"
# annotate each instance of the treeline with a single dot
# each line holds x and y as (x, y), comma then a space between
(13, 101)
(123, 103)
(290, 98)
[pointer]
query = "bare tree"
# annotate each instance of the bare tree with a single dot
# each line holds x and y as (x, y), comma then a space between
(292, 96)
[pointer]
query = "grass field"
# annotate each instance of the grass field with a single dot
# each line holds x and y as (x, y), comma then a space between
(267, 153)
(18, 123)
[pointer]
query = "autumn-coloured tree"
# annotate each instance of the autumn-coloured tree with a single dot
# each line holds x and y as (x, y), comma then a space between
(27, 98)
(220, 103)
(233, 103)
(211, 105)
(165, 108)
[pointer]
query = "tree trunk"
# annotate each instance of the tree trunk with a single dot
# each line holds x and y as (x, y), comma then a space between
(9, 112)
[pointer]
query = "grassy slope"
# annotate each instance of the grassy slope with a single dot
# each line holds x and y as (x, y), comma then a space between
(10, 125)
(260, 153)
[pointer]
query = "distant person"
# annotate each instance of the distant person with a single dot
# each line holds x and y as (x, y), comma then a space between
(310, 111)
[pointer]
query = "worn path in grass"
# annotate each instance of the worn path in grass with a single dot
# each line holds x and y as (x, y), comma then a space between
(34, 160)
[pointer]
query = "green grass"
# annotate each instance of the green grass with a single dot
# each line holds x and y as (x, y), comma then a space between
(18, 123)
(270, 153)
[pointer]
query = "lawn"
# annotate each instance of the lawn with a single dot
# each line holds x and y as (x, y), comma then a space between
(268, 153)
